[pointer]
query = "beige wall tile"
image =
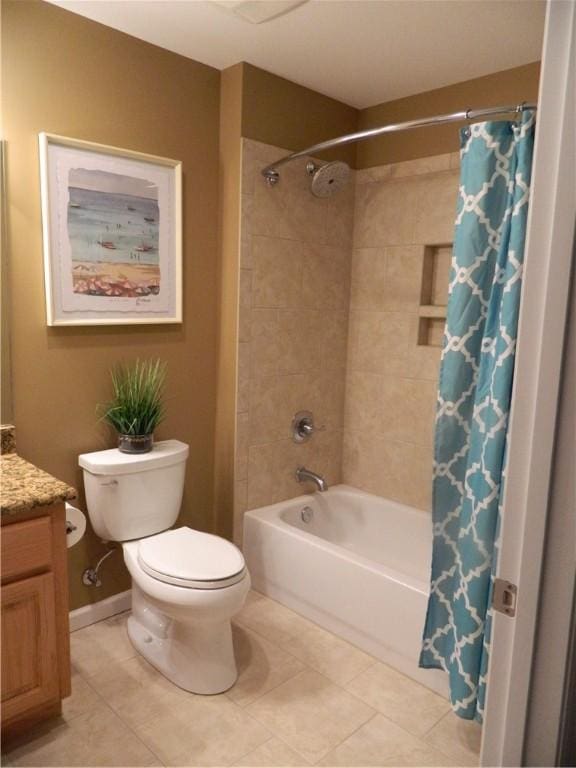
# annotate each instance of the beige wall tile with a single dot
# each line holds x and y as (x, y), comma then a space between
(408, 408)
(277, 272)
(379, 342)
(368, 289)
(420, 166)
(455, 160)
(386, 213)
(382, 743)
(310, 714)
(340, 216)
(424, 363)
(240, 506)
(326, 278)
(273, 402)
(299, 340)
(436, 200)
(333, 340)
(364, 402)
(242, 443)
(410, 705)
(264, 347)
(272, 467)
(389, 468)
(403, 278)
(246, 209)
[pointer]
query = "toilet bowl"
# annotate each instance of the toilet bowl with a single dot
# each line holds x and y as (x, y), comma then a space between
(186, 585)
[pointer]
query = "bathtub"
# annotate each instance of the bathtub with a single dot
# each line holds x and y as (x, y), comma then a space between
(356, 564)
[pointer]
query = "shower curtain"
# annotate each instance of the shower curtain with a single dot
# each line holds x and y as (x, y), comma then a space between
(474, 402)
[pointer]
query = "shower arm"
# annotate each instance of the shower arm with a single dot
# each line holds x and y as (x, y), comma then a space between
(272, 175)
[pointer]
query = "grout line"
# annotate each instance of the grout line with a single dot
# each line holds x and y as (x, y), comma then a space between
(121, 719)
(376, 713)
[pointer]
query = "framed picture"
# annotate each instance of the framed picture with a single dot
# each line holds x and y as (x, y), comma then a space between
(112, 228)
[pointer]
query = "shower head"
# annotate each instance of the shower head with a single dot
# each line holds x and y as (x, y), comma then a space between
(329, 178)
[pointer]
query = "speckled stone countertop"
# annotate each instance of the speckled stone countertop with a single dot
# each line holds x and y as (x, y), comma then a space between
(24, 486)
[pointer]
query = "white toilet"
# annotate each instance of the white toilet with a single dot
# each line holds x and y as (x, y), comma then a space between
(186, 585)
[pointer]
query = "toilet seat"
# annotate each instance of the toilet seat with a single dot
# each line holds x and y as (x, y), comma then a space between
(193, 559)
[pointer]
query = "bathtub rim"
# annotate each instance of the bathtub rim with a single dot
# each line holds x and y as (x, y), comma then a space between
(269, 515)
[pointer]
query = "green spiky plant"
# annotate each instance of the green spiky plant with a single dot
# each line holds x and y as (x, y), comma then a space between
(137, 406)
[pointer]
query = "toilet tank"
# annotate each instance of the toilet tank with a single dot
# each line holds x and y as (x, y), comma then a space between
(130, 496)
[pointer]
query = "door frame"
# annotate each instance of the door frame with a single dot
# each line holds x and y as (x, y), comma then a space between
(539, 358)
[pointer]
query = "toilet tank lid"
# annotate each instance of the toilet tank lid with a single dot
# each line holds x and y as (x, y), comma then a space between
(114, 462)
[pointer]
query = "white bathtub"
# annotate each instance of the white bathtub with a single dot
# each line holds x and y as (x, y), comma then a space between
(359, 568)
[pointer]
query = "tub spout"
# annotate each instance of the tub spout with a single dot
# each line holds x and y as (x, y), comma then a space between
(304, 475)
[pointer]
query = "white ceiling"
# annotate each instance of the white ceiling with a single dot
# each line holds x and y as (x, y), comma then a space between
(361, 52)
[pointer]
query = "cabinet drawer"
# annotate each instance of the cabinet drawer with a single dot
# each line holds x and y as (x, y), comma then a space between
(26, 548)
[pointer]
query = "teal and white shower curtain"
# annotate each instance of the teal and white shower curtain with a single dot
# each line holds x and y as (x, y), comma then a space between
(474, 401)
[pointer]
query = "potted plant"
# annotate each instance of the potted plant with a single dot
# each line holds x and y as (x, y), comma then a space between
(137, 406)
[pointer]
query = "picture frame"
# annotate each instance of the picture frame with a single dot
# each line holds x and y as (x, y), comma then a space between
(112, 234)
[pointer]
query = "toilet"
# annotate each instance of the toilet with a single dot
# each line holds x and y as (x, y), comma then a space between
(186, 585)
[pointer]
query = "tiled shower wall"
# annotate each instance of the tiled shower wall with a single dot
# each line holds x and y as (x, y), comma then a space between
(392, 380)
(294, 299)
(330, 295)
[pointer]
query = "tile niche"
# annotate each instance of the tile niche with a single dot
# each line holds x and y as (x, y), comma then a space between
(340, 313)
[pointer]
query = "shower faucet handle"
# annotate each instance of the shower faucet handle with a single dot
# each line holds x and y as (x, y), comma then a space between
(303, 426)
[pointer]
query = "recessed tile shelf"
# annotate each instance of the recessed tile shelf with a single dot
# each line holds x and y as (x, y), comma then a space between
(432, 310)
(433, 294)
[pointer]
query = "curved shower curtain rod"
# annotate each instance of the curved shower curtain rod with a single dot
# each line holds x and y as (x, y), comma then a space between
(272, 176)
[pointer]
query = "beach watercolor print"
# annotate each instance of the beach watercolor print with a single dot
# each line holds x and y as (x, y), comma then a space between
(113, 228)
(112, 234)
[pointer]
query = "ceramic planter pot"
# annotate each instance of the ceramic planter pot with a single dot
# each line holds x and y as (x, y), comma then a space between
(135, 443)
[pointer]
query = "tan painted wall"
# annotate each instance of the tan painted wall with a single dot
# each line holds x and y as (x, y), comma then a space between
(230, 192)
(507, 87)
(67, 75)
(282, 113)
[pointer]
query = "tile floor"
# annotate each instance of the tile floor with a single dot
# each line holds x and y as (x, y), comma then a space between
(303, 697)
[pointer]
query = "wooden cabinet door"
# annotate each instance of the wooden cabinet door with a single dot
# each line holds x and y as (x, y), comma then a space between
(29, 659)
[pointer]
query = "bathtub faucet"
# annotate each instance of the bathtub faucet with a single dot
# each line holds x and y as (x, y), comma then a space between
(304, 475)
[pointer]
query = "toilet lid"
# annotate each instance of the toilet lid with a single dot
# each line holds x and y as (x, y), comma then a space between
(191, 559)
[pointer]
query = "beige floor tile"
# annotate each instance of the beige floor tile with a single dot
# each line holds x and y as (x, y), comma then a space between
(457, 738)
(203, 731)
(136, 691)
(383, 743)
(405, 702)
(272, 753)
(310, 714)
(99, 645)
(312, 645)
(261, 666)
(95, 738)
(82, 699)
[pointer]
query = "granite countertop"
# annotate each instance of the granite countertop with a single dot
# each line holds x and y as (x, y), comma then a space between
(24, 486)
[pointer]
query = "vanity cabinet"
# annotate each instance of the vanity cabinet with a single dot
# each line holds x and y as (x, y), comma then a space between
(34, 599)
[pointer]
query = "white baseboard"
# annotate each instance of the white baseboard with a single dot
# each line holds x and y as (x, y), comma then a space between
(103, 609)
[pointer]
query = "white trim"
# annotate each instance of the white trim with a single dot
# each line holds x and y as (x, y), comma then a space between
(103, 609)
(538, 368)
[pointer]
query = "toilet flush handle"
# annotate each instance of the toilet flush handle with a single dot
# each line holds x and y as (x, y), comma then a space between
(110, 482)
